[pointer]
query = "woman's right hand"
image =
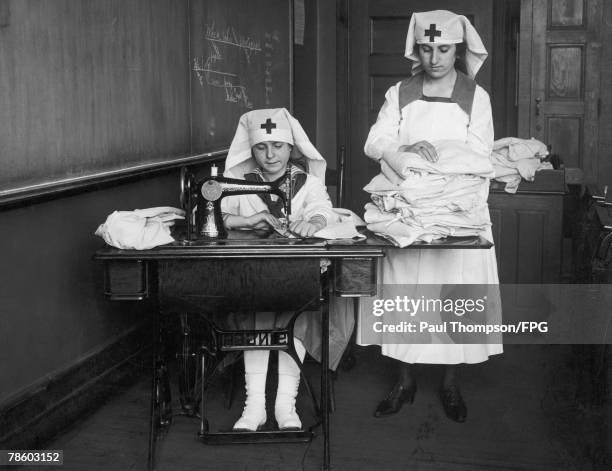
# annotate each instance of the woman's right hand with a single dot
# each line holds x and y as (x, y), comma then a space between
(424, 148)
(262, 221)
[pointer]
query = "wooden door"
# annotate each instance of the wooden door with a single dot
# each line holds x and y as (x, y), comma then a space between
(559, 78)
(377, 36)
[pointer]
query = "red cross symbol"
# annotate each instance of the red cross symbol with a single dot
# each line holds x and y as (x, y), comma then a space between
(268, 126)
(432, 32)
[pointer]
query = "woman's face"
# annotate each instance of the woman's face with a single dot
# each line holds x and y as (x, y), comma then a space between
(437, 59)
(272, 157)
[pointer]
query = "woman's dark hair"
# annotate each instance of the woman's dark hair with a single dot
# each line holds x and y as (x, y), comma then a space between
(460, 64)
(460, 61)
(297, 158)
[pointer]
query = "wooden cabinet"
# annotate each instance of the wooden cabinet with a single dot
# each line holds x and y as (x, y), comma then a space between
(528, 235)
(528, 229)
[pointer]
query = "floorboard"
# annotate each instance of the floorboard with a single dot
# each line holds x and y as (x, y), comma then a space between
(523, 415)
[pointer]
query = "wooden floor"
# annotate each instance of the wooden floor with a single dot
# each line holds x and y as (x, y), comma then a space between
(523, 415)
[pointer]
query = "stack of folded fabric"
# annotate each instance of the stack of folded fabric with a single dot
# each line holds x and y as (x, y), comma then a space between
(416, 200)
(515, 159)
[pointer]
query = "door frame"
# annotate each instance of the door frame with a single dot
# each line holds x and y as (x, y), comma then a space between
(504, 87)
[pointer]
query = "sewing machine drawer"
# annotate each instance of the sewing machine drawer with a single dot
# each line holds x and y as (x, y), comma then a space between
(355, 276)
(239, 284)
(126, 280)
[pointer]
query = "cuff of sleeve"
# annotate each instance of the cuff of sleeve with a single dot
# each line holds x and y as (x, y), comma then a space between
(318, 220)
(224, 216)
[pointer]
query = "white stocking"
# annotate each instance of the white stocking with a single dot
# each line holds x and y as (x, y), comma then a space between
(288, 385)
(255, 371)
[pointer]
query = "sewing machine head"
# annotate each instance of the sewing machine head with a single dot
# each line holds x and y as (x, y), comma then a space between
(201, 200)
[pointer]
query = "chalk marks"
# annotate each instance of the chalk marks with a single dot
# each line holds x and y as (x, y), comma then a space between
(230, 37)
(270, 39)
(208, 75)
(215, 69)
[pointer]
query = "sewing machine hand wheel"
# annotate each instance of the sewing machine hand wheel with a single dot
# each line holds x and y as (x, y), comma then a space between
(186, 184)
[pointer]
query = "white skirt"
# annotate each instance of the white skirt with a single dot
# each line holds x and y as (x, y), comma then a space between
(437, 267)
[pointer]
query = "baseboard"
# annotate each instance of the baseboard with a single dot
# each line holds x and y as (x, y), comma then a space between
(42, 412)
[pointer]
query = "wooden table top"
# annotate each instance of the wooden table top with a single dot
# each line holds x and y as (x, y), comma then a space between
(241, 244)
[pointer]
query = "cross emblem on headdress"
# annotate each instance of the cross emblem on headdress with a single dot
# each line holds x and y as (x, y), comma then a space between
(432, 32)
(268, 126)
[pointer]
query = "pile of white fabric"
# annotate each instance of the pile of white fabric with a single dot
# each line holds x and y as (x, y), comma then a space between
(416, 200)
(515, 159)
(140, 229)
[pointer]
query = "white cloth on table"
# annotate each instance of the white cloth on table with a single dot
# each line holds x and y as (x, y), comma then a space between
(344, 228)
(434, 121)
(514, 148)
(516, 159)
(433, 199)
(140, 229)
(405, 230)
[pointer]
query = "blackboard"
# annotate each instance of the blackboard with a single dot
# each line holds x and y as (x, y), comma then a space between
(96, 90)
(240, 60)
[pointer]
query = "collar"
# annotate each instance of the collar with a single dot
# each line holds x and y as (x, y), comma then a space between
(464, 89)
(298, 179)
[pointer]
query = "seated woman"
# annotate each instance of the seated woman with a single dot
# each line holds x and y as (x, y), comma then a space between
(266, 141)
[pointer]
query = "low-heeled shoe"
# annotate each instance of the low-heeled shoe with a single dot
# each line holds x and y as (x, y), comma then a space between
(453, 403)
(396, 398)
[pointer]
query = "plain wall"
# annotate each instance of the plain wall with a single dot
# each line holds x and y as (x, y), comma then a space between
(315, 77)
(53, 311)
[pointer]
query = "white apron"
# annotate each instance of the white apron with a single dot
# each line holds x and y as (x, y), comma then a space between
(432, 121)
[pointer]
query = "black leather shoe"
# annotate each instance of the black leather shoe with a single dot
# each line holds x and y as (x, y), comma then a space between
(396, 398)
(453, 403)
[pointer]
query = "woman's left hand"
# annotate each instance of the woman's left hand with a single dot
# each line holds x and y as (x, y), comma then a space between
(304, 228)
(424, 148)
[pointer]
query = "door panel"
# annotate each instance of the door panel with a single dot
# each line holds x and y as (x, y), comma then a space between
(564, 13)
(559, 78)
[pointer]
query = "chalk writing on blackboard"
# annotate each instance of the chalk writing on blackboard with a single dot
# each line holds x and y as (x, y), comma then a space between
(211, 69)
(231, 37)
(269, 40)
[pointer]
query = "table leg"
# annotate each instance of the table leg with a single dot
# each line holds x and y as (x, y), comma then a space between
(203, 420)
(154, 380)
(325, 366)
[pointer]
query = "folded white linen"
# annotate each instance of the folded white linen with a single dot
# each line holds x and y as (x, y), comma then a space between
(512, 182)
(390, 174)
(140, 229)
(345, 228)
(476, 219)
(515, 149)
(515, 159)
(454, 157)
(416, 200)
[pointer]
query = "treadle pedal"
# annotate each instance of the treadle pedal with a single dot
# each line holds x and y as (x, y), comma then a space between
(260, 436)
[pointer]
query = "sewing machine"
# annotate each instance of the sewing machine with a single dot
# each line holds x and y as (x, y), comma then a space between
(207, 276)
(201, 200)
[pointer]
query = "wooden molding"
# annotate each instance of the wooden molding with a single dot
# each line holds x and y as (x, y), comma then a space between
(41, 412)
(59, 188)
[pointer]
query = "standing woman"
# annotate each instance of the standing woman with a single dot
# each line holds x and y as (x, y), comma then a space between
(440, 101)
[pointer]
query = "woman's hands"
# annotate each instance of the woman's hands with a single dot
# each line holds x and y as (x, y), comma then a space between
(262, 221)
(305, 228)
(423, 148)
